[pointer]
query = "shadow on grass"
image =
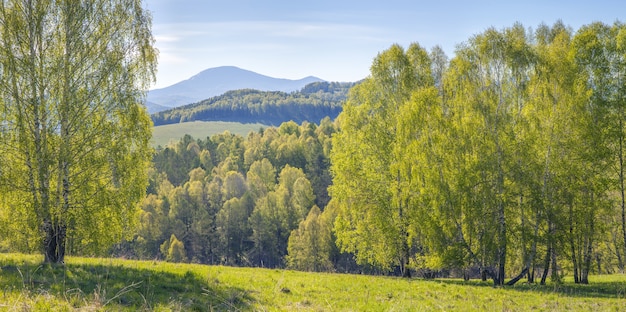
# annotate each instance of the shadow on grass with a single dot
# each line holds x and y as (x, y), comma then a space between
(123, 288)
(612, 289)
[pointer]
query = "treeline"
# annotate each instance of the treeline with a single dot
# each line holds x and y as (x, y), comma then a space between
(507, 160)
(314, 102)
(259, 201)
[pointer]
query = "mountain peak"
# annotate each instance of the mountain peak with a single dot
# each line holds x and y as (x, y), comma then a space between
(220, 70)
(225, 72)
(217, 80)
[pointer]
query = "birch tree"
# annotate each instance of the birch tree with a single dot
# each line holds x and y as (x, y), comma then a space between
(74, 131)
(370, 184)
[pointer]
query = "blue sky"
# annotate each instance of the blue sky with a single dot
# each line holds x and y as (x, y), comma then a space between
(333, 39)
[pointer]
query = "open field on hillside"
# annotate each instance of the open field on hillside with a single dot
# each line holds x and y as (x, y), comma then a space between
(162, 135)
(113, 284)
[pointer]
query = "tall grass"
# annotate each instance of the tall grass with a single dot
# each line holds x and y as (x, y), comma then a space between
(110, 284)
(114, 284)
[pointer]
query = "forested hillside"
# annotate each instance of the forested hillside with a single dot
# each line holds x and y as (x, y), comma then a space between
(314, 102)
(239, 200)
(219, 80)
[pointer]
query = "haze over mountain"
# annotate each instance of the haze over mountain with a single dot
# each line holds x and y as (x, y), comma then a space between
(216, 81)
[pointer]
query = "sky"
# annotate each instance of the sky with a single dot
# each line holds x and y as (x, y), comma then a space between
(336, 40)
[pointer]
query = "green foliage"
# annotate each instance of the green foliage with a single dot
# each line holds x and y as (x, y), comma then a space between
(234, 229)
(374, 216)
(600, 56)
(502, 160)
(277, 214)
(261, 178)
(235, 200)
(75, 132)
(174, 250)
(310, 245)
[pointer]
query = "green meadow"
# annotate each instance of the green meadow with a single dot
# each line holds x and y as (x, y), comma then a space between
(98, 284)
(167, 134)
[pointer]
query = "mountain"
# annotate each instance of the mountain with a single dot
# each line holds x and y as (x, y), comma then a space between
(155, 108)
(216, 81)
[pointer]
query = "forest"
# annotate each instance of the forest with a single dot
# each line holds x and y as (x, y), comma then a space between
(508, 159)
(504, 162)
(239, 201)
(314, 102)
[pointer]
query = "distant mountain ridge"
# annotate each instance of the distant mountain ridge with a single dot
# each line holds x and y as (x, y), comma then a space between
(217, 81)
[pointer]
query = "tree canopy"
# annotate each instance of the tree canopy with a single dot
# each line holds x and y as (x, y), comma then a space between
(236, 200)
(75, 135)
(502, 160)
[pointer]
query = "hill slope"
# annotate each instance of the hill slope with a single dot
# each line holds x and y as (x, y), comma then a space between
(123, 285)
(314, 102)
(216, 81)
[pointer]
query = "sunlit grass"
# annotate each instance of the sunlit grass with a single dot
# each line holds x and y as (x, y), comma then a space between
(167, 134)
(113, 284)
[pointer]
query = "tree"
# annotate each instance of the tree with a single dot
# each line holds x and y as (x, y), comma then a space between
(233, 229)
(600, 53)
(74, 129)
(153, 222)
(261, 178)
(553, 123)
(267, 231)
(234, 185)
(174, 250)
(309, 245)
(486, 85)
(277, 214)
(368, 180)
(297, 196)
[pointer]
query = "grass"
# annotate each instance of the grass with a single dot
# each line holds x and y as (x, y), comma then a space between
(163, 135)
(112, 284)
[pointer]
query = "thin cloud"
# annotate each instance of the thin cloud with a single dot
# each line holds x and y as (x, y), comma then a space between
(166, 39)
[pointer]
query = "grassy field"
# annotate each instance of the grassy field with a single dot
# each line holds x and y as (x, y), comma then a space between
(112, 284)
(162, 135)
